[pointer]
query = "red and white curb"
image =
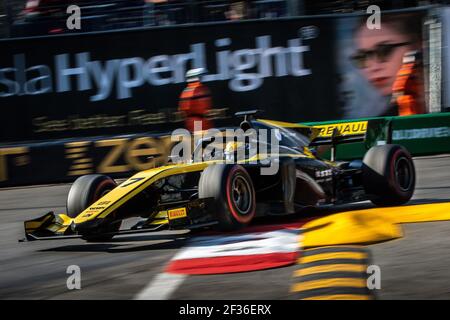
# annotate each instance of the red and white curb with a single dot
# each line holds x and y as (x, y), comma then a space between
(237, 253)
(254, 248)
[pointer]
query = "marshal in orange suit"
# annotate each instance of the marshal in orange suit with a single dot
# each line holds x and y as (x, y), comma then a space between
(195, 101)
(407, 91)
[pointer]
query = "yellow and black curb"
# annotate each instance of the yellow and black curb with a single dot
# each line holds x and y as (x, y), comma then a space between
(332, 273)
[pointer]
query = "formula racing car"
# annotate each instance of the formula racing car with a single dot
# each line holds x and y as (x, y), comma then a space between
(227, 192)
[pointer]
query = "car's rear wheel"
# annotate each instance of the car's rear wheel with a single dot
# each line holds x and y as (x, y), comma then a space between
(234, 195)
(85, 191)
(389, 174)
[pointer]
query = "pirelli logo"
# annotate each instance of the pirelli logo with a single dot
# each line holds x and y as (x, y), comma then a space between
(332, 273)
(177, 213)
(344, 129)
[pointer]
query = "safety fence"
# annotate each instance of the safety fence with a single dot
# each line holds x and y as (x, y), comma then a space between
(31, 18)
(48, 17)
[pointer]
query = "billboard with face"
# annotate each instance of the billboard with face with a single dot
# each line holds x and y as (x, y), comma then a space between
(372, 60)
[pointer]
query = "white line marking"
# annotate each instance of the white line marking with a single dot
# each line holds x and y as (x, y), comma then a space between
(161, 287)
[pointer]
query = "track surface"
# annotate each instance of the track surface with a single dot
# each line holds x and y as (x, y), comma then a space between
(413, 267)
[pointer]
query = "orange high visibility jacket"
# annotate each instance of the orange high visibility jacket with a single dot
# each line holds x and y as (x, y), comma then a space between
(195, 102)
(406, 89)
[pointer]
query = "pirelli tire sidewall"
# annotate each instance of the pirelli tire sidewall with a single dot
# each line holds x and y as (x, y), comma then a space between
(217, 181)
(381, 166)
(86, 190)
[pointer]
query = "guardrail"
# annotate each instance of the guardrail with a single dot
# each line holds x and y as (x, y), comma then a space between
(65, 160)
(426, 134)
(120, 156)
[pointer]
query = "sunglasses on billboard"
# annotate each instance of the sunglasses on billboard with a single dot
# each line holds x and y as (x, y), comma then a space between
(381, 53)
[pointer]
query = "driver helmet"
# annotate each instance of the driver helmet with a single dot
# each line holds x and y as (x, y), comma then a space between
(234, 149)
(194, 75)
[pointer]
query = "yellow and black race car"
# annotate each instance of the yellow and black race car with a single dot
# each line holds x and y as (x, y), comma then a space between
(230, 194)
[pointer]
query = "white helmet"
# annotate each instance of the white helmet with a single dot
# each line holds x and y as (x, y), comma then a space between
(195, 74)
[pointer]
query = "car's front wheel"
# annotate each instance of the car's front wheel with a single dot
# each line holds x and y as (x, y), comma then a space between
(85, 191)
(234, 195)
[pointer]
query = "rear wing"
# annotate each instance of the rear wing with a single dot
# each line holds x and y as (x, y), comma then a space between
(336, 133)
(372, 132)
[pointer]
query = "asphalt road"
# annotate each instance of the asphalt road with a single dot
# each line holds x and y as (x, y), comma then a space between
(413, 267)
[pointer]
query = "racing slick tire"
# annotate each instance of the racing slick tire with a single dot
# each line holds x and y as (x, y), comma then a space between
(389, 175)
(232, 189)
(86, 190)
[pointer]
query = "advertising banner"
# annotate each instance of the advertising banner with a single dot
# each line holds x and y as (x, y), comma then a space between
(382, 65)
(130, 81)
(65, 160)
(298, 69)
